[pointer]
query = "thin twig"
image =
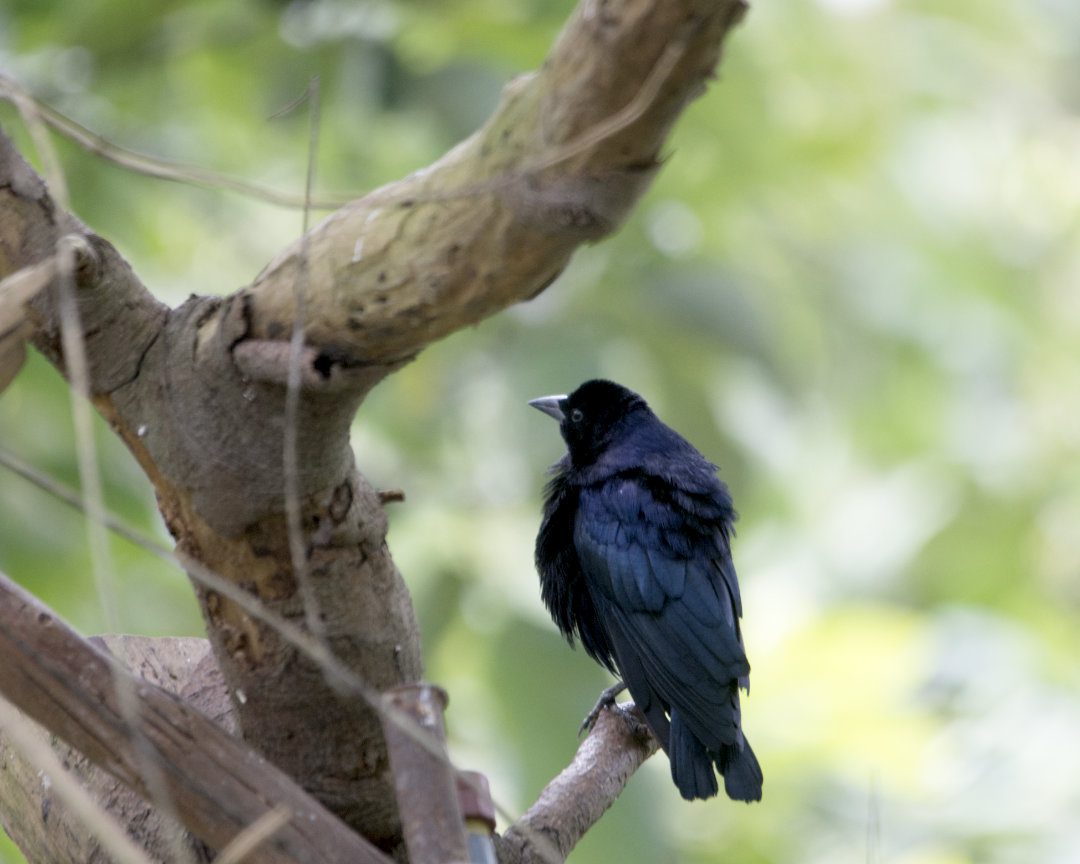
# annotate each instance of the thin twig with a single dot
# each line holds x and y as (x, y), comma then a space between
(615, 123)
(151, 166)
(35, 115)
(19, 288)
(291, 463)
(255, 835)
(164, 170)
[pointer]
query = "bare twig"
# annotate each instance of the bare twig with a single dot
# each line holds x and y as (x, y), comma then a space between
(141, 163)
(290, 456)
(19, 288)
(16, 291)
(261, 831)
(35, 115)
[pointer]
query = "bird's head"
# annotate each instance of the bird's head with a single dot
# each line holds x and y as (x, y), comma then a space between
(591, 416)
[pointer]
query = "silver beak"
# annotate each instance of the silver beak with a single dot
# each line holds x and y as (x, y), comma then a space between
(550, 405)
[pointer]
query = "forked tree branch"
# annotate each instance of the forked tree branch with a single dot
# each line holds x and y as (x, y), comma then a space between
(198, 393)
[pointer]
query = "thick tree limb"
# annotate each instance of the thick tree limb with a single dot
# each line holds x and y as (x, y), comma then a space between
(49, 831)
(171, 390)
(495, 220)
(215, 784)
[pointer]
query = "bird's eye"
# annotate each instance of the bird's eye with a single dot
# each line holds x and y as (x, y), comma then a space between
(576, 416)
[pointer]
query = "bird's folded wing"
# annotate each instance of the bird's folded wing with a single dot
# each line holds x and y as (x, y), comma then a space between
(662, 579)
(663, 677)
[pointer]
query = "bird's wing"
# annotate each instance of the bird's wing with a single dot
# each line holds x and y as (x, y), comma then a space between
(663, 583)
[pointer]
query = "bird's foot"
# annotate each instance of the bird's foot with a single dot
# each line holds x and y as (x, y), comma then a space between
(606, 700)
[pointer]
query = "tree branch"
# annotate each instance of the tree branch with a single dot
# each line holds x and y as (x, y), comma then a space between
(216, 785)
(565, 155)
(573, 802)
(197, 393)
(168, 384)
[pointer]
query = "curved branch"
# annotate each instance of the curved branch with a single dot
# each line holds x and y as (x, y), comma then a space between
(561, 161)
(571, 804)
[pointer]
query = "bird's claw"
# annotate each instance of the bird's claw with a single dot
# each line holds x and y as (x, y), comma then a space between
(606, 700)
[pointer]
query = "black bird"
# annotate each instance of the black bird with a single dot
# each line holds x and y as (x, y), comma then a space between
(634, 559)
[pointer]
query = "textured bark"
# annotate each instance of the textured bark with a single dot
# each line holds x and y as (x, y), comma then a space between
(210, 440)
(215, 785)
(197, 393)
(497, 218)
(424, 779)
(41, 823)
(573, 802)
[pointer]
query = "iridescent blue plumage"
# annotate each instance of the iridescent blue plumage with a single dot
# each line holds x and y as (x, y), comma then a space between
(634, 560)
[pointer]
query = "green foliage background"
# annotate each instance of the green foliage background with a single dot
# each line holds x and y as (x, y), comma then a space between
(854, 286)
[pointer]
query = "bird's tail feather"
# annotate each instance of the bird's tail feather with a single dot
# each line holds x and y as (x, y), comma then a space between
(742, 773)
(691, 766)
